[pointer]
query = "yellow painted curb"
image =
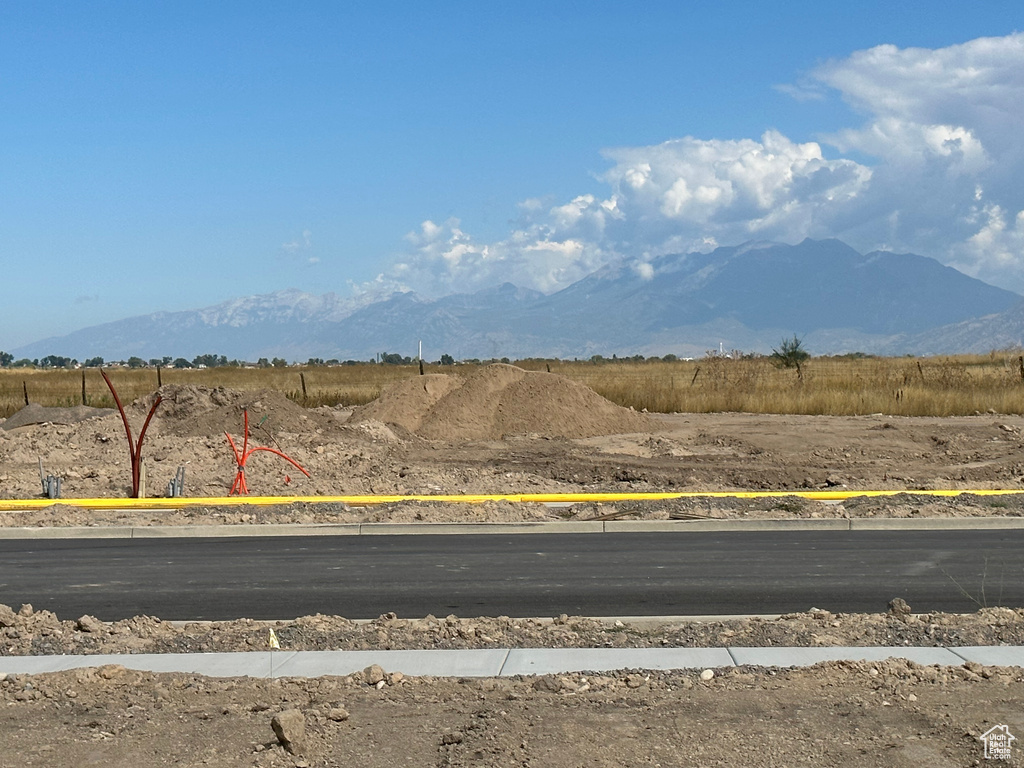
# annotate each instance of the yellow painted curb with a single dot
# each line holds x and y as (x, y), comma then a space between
(14, 505)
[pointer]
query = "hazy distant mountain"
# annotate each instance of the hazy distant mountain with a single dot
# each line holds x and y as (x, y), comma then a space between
(273, 325)
(1004, 330)
(746, 297)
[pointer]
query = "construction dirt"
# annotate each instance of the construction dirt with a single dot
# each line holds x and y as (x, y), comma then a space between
(42, 633)
(507, 431)
(889, 713)
(504, 431)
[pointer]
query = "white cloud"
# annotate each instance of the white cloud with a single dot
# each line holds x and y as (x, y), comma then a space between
(302, 244)
(934, 168)
(644, 270)
(298, 248)
(444, 258)
(691, 190)
(944, 127)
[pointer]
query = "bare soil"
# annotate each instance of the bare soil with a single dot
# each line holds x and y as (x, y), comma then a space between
(888, 714)
(508, 432)
(29, 632)
(891, 713)
(505, 431)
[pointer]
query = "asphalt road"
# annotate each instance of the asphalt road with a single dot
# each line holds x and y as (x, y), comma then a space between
(515, 575)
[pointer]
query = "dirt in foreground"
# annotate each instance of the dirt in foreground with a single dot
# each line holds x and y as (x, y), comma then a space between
(891, 713)
(30, 632)
(349, 453)
(486, 438)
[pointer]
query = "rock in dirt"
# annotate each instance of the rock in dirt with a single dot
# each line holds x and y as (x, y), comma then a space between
(547, 683)
(899, 608)
(290, 728)
(374, 674)
(89, 623)
(111, 671)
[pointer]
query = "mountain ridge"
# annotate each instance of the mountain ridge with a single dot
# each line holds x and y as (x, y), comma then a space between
(744, 297)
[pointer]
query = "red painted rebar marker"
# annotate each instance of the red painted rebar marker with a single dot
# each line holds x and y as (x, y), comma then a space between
(242, 456)
(134, 449)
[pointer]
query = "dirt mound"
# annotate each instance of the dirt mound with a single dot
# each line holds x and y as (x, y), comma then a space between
(496, 401)
(38, 414)
(191, 411)
(406, 403)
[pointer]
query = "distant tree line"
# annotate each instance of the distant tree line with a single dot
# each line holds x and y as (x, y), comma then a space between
(790, 354)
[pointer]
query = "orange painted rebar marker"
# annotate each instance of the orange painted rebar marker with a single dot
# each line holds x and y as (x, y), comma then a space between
(242, 456)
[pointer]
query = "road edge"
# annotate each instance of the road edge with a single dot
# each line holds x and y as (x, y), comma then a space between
(515, 528)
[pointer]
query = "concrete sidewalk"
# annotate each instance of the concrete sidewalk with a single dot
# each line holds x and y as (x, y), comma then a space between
(504, 662)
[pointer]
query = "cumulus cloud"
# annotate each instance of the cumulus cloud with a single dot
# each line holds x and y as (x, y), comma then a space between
(685, 192)
(932, 167)
(444, 258)
(943, 127)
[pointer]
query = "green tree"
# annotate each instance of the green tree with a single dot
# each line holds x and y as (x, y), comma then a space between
(6, 358)
(181, 362)
(136, 362)
(447, 359)
(94, 362)
(791, 354)
(57, 361)
(210, 361)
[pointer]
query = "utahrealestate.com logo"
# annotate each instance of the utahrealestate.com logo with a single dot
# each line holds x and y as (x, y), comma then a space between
(998, 743)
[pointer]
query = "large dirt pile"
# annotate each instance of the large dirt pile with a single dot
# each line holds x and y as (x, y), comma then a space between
(190, 411)
(496, 401)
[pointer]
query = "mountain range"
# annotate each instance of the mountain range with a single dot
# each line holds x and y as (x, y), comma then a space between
(747, 297)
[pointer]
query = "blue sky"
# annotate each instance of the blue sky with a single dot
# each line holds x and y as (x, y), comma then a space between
(172, 155)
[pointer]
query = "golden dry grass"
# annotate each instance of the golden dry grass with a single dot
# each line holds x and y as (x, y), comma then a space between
(351, 385)
(937, 386)
(941, 386)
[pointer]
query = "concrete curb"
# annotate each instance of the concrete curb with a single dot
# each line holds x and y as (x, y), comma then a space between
(401, 529)
(504, 662)
(570, 526)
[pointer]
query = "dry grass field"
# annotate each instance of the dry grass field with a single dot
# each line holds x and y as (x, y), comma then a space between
(936, 386)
